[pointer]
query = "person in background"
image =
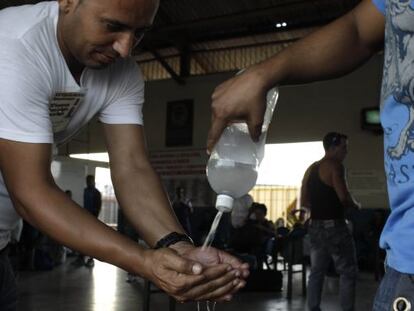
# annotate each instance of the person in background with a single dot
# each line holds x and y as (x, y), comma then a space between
(183, 209)
(333, 51)
(255, 235)
(29, 240)
(280, 223)
(92, 202)
(125, 228)
(68, 251)
(281, 229)
(73, 60)
(258, 216)
(325, 193)
(92, 198)
(241, 210)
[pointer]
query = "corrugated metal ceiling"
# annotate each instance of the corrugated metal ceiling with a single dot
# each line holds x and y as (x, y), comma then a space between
(195, 37)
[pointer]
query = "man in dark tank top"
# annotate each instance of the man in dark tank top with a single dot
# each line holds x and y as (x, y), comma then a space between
(325, 193)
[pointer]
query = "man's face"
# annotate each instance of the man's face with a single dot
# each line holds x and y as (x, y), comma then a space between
(260, 215)
(342, 149)
(94, 33)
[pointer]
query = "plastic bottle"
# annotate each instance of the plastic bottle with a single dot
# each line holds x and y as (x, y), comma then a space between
(234, 161)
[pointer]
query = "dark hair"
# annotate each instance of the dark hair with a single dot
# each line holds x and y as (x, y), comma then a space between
(333, 139)
(258, 206)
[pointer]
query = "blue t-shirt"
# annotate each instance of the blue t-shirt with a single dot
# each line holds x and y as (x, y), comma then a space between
(397, 118)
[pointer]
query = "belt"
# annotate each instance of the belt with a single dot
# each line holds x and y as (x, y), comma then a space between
(327, 223)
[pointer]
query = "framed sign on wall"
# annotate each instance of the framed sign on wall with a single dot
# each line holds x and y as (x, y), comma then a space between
(179, 129)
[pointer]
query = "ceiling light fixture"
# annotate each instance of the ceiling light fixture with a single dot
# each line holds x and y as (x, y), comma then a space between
(280, 25)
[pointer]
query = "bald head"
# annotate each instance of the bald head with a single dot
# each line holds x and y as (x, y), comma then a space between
(93, 33)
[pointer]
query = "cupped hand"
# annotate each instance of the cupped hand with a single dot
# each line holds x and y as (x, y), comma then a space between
(210, 256)
(185, 279)
(216, 287)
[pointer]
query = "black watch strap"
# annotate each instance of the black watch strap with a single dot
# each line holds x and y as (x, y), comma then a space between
(172, 238)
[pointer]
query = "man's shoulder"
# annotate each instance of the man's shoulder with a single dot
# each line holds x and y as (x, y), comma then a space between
(16, 22)
(27, 34)
(331, 165)
(312, 167)
(331, 162)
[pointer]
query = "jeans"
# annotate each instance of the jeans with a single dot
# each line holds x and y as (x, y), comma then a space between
(395, 291)
(326, 244)
(8, 288)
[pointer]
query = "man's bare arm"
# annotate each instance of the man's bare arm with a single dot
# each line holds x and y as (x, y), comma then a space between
(332, 51)
(304, 192)
(138, 188)
(26, 171)
(341, 187)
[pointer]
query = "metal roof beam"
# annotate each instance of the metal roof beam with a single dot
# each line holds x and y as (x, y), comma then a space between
(185, 60)
(167, 67)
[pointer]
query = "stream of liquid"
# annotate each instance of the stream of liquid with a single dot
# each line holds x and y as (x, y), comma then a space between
(211, 235)
(211, 306)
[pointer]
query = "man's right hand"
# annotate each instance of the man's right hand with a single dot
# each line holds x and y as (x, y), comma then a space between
(187, 280)
(242, 98)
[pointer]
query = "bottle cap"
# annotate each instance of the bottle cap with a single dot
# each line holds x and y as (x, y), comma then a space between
(224, 203)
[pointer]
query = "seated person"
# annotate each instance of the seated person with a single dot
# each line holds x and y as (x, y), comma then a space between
(258, 218)
(256, 234)
(241, 210)
(183, 209)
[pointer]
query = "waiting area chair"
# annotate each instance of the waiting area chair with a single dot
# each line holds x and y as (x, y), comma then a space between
(293, 255)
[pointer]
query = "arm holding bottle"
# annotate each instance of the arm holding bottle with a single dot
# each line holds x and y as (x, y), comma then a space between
(329, 52)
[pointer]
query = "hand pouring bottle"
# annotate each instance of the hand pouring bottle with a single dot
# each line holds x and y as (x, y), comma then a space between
(233, 164)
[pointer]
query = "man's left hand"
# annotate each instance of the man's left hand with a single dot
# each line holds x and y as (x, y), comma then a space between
(211, 257)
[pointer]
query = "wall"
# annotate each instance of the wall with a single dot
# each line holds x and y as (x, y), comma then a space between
(70, 174)
(304, 113)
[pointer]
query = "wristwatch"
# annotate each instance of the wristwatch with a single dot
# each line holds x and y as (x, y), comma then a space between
(172, 238)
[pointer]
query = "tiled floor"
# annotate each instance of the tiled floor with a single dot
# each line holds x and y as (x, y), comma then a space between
(103, 288)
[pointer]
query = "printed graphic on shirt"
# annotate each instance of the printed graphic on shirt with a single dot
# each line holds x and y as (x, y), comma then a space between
(398, 91)
(62, 107)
